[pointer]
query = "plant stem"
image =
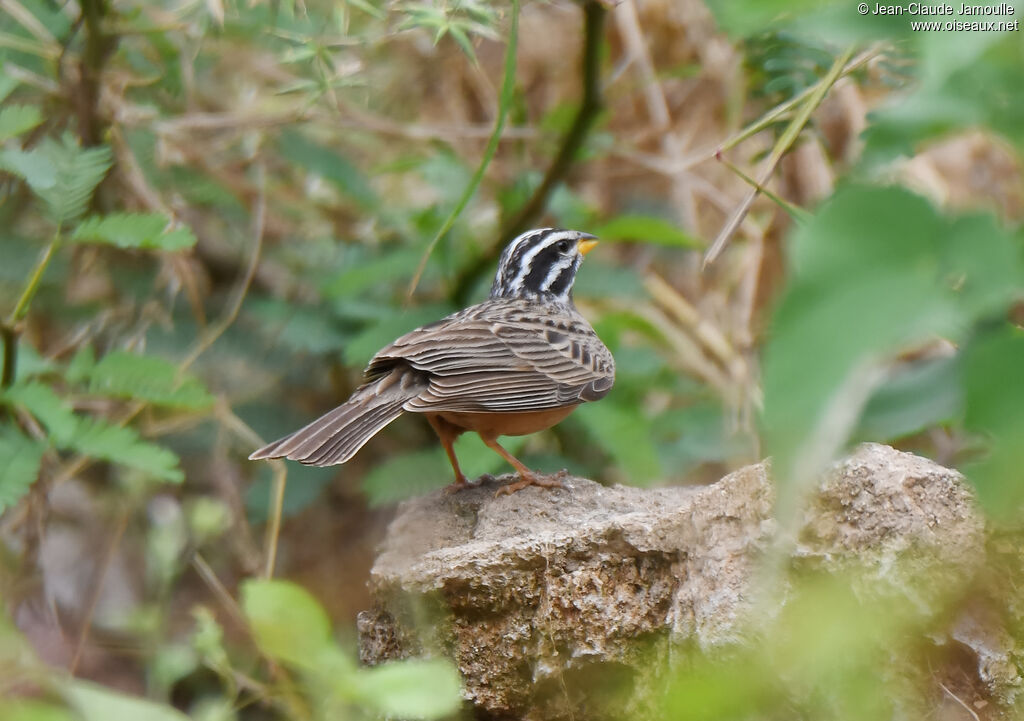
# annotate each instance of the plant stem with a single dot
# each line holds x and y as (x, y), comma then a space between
(11, 331)
(508, 85)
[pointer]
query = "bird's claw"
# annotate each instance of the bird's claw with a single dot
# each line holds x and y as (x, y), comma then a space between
(529, 480)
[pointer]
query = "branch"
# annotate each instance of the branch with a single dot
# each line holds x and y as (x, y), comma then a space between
(98, 47)
(594, 13)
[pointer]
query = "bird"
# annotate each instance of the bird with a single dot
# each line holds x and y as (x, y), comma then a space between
(515, 364)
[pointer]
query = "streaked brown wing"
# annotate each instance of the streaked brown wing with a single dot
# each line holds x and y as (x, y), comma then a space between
(492, 358)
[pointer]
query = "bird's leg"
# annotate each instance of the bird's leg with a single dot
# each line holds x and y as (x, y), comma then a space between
(447, 433)
(526, 476)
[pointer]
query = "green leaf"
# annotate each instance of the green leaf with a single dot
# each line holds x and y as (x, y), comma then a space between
(28, 710)
(364, 345)
(463, 41)
(36, 169)
(994, 390)
(140, 377)
(405, 475)
(51, 410)
(16, 119)
(875, 270)
(287, 622)
(98, 703)
(645, 229)
(92, 436)
(151, 231)
(79, 171)
(414, 473)
(81, 365)
(367, 8)
(626, 436)
(301, 328)
(413, 689)
(330, 165)
(362, 272)
(19, 466)
(96, 438)
(915, 398)
(7, 83)
(966, 80)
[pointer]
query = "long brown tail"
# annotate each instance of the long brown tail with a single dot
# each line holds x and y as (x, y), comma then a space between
(336, 436)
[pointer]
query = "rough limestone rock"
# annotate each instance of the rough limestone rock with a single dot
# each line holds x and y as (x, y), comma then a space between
(907, 525)
(537, 594)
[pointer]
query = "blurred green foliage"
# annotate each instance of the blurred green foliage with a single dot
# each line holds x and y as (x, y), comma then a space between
(195, 258)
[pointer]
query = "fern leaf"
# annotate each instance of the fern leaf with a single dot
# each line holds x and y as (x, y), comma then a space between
(19, 465)
(32, 166)
(134, 230)
(16, 119)
(78, 172)
(127, 375)
(88, 436)
(120, 445)
(50, 409)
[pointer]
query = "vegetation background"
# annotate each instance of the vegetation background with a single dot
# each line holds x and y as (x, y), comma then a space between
(213, 212)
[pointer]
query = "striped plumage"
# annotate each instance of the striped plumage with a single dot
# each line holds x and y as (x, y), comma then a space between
(514, 364)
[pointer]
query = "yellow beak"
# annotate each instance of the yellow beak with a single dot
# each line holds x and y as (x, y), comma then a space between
(585, 246)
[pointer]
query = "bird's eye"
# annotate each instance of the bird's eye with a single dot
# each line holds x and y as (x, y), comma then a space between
(563, 246)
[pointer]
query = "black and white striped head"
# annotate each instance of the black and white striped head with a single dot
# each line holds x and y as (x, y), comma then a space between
(541, 265)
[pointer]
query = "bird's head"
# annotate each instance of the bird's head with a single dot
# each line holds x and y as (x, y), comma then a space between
(541, 265)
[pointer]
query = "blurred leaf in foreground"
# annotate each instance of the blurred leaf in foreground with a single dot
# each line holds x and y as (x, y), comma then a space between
(291, 626)
(415, 689)
(994, 383)
(875, 272)
(98, 703)
(287, 621)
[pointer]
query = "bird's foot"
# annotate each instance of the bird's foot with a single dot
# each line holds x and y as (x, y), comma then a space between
(459, 483)
(529, 479)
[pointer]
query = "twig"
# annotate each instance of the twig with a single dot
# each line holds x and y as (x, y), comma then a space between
(594, 13)
(793, 130)
(688, 317)
(658, 164)
(98, 47)
(956, 698)
(94, 597)
(226, 599)
(508, 84)
(235, 306)
(276, 512)
(657, 107)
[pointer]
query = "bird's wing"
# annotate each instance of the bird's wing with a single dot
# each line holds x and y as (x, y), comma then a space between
(492, 358)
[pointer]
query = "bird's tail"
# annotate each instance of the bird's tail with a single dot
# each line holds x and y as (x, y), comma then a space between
(336, 436)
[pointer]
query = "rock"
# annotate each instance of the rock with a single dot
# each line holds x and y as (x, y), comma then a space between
(542, 596)
(907, 526)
